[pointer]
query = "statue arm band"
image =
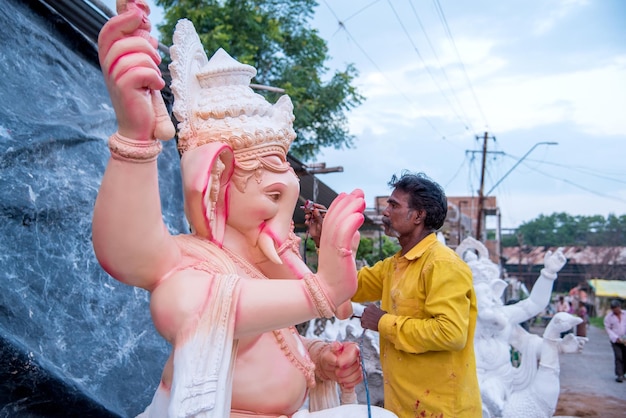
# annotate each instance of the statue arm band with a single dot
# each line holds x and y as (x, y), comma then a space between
(548, 274)
(324, 306)
(133, 151)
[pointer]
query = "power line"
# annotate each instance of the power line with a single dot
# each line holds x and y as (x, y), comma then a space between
(518, 162)
(571, 183)
(442, 17)
(426, 67)
(443, 71)
(455, 175)
(358, 11)
(384, 74)
(462, 116)
(585, 170)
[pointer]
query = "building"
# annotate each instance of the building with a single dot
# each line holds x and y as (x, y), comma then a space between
(583, 264)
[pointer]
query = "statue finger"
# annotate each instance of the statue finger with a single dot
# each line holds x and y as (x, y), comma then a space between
(164, 128)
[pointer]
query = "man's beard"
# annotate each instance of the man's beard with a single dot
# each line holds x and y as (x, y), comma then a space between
(389, 231)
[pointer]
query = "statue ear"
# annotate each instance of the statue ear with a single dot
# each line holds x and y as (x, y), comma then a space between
(498, 286)
(206, 172)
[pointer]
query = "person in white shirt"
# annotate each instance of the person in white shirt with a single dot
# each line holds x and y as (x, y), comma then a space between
(615, 326)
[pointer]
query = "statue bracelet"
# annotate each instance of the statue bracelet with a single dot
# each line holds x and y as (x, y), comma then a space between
(133, 151)
(324, 306)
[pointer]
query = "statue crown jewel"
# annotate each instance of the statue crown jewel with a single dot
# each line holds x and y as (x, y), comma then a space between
(213, 102)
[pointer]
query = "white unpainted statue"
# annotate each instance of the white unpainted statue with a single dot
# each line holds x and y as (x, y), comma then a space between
(498, 329)
(539, 398)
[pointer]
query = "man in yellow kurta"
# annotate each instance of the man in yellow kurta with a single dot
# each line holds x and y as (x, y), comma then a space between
(428, 314)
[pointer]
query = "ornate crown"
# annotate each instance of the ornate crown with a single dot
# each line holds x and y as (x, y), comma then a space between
(213, 102)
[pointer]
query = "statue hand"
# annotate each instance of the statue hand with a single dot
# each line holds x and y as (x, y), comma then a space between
(344, 311)
(337, 268)
(572, 344)
(342, 363)
(129, 61)
(554, 262)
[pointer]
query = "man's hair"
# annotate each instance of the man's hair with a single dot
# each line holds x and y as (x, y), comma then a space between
(616, 303)
(424, 194)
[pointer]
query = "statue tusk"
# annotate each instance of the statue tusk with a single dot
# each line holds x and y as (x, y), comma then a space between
(266, 244)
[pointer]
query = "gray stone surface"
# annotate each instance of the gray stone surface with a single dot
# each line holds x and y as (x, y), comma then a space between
(73, 341)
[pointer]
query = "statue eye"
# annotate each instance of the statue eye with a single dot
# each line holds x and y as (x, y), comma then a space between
(274, 196)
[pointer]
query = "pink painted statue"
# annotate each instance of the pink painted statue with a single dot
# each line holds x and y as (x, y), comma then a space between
(215, 293)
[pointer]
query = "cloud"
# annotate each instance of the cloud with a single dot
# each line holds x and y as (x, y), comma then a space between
(587, 98)
(512, 99)
(555, 14)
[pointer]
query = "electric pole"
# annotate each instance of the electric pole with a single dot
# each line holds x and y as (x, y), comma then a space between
(481, 191)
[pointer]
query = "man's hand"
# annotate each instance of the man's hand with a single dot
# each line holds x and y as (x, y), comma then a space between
(371, 316)
(313, 218)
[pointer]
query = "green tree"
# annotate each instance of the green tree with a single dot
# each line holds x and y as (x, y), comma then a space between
(372, 253)
(275, 37)
(615, 230)
(561, 229)
(366, 249)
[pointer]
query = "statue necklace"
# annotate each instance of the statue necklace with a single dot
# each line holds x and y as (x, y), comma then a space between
(303, 363)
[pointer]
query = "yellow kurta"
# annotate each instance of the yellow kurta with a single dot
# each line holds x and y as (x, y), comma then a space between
(427, 337)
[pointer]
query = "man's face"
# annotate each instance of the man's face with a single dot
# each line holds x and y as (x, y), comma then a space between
(398, 217)
(616, 310)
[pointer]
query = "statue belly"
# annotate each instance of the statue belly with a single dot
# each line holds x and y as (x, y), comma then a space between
(265, 380)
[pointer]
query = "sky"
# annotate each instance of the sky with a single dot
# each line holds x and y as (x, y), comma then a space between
(544, 79)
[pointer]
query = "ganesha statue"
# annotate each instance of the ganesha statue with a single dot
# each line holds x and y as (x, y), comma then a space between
(227, 295)
(509, 391)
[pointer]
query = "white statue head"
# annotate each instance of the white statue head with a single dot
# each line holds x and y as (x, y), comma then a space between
(476, 255)
(487, 285)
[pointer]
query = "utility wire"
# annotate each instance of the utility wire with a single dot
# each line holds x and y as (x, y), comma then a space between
(456, 174)
(571, 183)
(358, 11)
(443, 71)
(442, 17)
(343, 26)
(426, 66)
(340, 22)
(567, 181)
(465, 120)
(585, 170)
